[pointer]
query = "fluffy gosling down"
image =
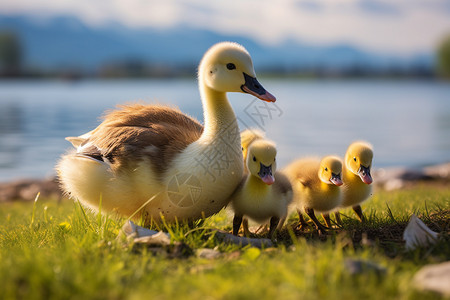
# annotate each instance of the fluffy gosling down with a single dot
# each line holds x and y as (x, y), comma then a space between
(134, 161)
(316, 184)
(263, 193)
(356, 177)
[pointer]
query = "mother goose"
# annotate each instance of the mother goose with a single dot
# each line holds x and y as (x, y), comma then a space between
(149, 161)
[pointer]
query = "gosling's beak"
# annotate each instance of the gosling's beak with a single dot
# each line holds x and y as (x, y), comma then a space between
(265, 172)
(336, 179)
(364, 174)
(253, 87)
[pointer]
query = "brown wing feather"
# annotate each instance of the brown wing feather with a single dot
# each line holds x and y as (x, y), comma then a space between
(135, 131)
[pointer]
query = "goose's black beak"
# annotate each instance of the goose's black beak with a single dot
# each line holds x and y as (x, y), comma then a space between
(336, 179)
(265, 172)
(364, 174)
(253, 87)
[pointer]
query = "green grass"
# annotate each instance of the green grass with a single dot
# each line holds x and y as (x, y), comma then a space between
(59, 251)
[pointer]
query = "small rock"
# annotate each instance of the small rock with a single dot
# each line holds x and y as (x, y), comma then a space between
(157, 242)
(434, 278)
(129, 229)
(243, 241)
(357, 266)
(158, 239)
(208, 253)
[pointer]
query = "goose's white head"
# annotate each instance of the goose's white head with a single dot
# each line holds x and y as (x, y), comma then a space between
(228, 67)
(261, 160)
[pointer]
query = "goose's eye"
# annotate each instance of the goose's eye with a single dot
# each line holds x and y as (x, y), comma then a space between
(354, 158)
(231, 66)
(254, 158)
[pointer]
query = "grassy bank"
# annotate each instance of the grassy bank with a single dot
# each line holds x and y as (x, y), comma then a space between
(59, 251)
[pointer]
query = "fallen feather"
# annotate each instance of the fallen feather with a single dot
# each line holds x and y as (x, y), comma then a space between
(417, 234)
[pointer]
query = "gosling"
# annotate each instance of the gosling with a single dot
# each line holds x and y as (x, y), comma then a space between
(316, 183)
(263, 193)
(357, 178)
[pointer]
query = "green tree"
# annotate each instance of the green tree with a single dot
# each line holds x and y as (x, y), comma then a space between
(443, 57)
(10, 53)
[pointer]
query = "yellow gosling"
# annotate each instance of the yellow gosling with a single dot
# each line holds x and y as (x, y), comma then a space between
(316, 187)
(263, 193)
(357, 177)
(153, 161)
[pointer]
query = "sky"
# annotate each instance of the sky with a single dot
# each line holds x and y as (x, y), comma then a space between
(404, 27)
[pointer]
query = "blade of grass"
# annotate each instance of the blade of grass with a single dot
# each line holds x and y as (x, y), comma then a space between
(85, 216)
(142, 206)
(34, 209)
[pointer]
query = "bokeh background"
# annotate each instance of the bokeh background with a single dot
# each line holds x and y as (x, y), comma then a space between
(342, 70)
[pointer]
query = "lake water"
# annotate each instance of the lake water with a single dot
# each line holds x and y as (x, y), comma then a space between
(408, 122)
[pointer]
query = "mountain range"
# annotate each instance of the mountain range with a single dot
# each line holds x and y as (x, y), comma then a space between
(66, 42)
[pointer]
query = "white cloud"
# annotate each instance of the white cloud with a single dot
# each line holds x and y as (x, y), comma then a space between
(401, 26)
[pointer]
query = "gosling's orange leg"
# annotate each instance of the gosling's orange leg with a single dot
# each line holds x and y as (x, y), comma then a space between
(245, 226)
(327, 219)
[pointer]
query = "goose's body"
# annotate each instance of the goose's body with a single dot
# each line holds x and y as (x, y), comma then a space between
(316, 185)
(151, 161)
(261, 195)
(357, 177)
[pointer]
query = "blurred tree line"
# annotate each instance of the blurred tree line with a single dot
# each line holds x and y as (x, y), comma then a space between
(10, 54)
(11, 63)
(443, 58)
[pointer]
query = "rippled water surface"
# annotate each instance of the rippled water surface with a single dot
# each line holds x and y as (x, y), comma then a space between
(408, 122)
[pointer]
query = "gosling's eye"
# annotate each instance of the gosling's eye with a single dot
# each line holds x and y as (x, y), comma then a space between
(242, 148)
(254, 158)
(354, 158)
(326, 169)
(231, 66)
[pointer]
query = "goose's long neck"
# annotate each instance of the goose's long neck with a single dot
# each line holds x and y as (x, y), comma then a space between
(220, 120)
